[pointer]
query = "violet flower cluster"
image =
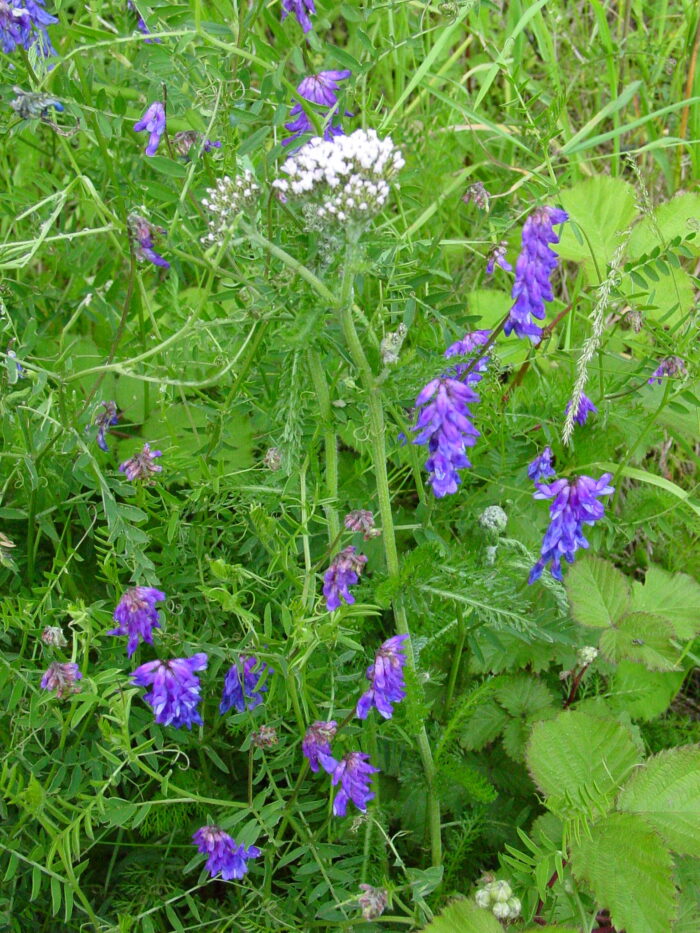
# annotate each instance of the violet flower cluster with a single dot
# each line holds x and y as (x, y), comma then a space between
(104, 420)
(386, 678)
(243, 688)
(175, 689)
(541, 467)
(137, 616)
(142, 232)
(152, 122)
(142, 465)
(669, 366)
(344, 572)
(584, 409)
(225, 856)
(300, 9)
(533, 269)
(321, 89)
(61, 678)
(24, 23)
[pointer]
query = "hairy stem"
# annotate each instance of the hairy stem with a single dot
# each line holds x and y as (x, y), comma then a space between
(330, 441)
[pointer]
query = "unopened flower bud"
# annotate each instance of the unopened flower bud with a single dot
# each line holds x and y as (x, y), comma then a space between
(494, 519)
(515, 907)
(501, 910)
(501, 891)
(478, 194)
(482, 898)
(362, 520)
(53, 635)
(391, 344)
(273, 459)
(373, 901)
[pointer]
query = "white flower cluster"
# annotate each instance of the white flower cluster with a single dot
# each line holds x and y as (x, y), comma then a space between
(586, 655)
(346, 179)
(226, 201)
(494, 519)
(497, 896)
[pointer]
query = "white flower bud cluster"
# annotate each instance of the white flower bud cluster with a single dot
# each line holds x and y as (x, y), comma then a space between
(391, 344)
(586, 655)
(346, 179)
(226, 201)
(497, 896)
(494, 519)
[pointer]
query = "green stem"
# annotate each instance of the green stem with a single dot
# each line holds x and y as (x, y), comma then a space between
(376, 425)
(456, 660)
(330, 441)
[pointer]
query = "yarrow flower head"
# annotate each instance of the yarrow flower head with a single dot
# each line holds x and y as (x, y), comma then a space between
(185, 140)
(301, 9)
(142, 233)
(175, 692)
(386, 678)
(230, 198)
(142, 465)
(344, 571)
(104, 420)
(61, 678)
(321, 89)
(533, 269)
(494, 519)
(541, 467)
(226, 857)
(153, 122)
(53, 635)
(362, 520)
(317, 742)
(583, 410)
(466, 347)
(373, 901)
(670, 366)
(354, 773)
(346, 180)
(497, 257)
(137, 616)
(242, 685)
(586, 655)
(574, 504)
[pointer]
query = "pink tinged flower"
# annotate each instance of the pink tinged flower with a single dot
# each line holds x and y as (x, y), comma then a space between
(373, 901)
(354, 774)
(317, 742)
(142, 465)
(61, 678)
(153, 122)
(137, 616)
(175, 693)
(344, 572)
(362, 520)
(226, 856)
(53, 636)
(497, 257)
(670, 366)
(386, 679)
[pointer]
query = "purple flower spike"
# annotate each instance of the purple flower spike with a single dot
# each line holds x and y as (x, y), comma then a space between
(497, 257)
(585, 407)
(242, 687)
(353, 773)
(175, 692)
(105, 419)
(317, 742)
(344, 571)
(323, 87)
(142, 465)
(301, 9)
(137, 616)
(61, 678)
(153, 121)
(670, 366)
(142, 232)
(541, 467)
(15, 27)
(386, 678)
(535, 265)
(226, 857)
(574, 505)
(466, 347)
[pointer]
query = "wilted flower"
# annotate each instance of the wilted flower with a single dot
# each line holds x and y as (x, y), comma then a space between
(175, 692)
(344, 571)
(104, 420)
(142, 233)
(541, 467)
(6, 546)
(61, 678)
(137, 616)
(225, 202)
(373, 901)
(354, 774)
(497, 257)
(185, 140)
(317, 742)
(362, 520)
(478, 194)
(226, 857)
(242, 685)
(53, 636)
(301, 9)
(391, 344)
(142, 465)
(494, 519)
(321, 89)
(574, 504)
(153, 122)
(264, 737)
(30, 105)
(535, 265)
(386, 678)
(584, 408)
(670, 366)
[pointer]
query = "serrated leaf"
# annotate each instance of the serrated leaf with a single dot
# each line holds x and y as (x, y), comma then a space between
(524, 696)
(675, 596)
(644, 694)
(672, 219)
(464, 917)
(483, 726)
(598, 592)
(629, 869)
(666, 794)
(641, 637)
(581, 760)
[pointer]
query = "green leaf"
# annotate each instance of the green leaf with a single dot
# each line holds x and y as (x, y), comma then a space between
(464, 917)
(644, 694)
(483, 726)
(669, 297)
(641, 637)
(671, 219)
(598, 592)
(629, 869)
(675, 596)
(524, 695)
(666, 794)
(118, 812)
(580, 761)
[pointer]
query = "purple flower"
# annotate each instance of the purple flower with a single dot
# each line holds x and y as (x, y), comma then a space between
(573, 505)
(175, 689)
(226, 857)
(153, 121)
(242, 687)
(497, 257)
(465, 347)
(670, 366)
(541, 467)
(301, 9)
(15, 27)
(585, 407)
(353, 773)
(362, 520)
(344, 571)
(386, 679)
(104, 421)
(186, 139)
(478, 194)
(140, 23)
(61, 678)
(317, 742)
(444, 424)
(142, 232)
(320, 89)
(142, 465)
(137, 616)
(535, 264)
